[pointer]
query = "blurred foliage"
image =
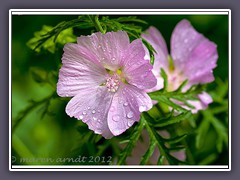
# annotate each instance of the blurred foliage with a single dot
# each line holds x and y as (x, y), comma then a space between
(42, 132)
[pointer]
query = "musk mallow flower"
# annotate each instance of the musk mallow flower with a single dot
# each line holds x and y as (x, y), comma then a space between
(193, 57)
(107, 77)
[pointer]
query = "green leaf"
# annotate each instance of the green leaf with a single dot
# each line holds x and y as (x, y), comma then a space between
(201, 133)
(173, 119)
(132, 141)
(44, 39)
(160, 160)
(180, 88)
(165, 78)
(165, 100)
(148, 153)
(176, 139)
(154, 136)
(130, 19)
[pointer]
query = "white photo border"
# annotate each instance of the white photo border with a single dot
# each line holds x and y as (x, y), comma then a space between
(118, 12)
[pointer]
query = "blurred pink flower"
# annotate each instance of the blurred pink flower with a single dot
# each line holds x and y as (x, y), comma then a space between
(107, 77)
(193, 57)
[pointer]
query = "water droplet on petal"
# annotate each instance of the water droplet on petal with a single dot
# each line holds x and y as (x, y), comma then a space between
(125, 104)
(142, 108)
(88, 107)
(130, 115)
(116, 118)
(81, 117)
(130, 123)
(93, 111)
(94, 118)
(112, 108)
(84, 113)
(120, 101)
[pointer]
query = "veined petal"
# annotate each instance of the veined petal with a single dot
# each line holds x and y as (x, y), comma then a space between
(136, 70)
(108, 48)
(154, 37)
(125, 109)
(78, 72)
(201, 62)
(183, 41)
(92, 106)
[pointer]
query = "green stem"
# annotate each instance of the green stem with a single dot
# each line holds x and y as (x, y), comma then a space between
(95, 21)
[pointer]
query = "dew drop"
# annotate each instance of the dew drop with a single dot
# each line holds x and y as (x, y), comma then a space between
(94, 118)
(116, 118)
(120, 101)
(93, 111)
(112, 109)
(125, 104)
(129, 123)
(81, 117)
(84, 113)
(88, 107)
(113, 58)
(142, 108)
(130, 115)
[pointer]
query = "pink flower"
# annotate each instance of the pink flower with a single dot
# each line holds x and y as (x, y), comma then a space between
(193, 57)
(107, 77)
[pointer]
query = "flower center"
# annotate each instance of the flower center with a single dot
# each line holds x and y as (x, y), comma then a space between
(175, 79)
(112, 83)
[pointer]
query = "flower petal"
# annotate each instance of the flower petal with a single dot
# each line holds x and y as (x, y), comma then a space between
(184, 39)
(201, 62)
(137, 71)
(108, 48)
(154, 37)
(125, 109)
(92, 106)
(78, 72)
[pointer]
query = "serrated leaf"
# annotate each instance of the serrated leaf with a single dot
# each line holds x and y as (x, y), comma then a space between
(130, 19)
(160, 160)
(180, 88)
(165, 78)
(179, 148)
(44, 39)
(132, 141)
(165, 100)
(173, 119)
(148, 153)
(175, 139)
